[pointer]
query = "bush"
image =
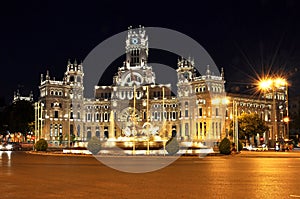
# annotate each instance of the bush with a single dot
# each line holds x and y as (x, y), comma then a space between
(172, 146)
(41, 145)
(94, 145)
(224, 146)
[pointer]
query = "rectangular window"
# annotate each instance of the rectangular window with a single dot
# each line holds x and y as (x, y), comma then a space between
(71, 115)
(200, 111)
(204, 124)
(155, 115)
(55, 114)
(200, 128)
(71, 129)
(51, 130)
(217, 111)
(186, 113)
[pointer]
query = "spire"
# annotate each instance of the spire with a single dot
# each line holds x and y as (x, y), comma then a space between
(47, 75)
(193, 62)
(69, 61)
(42, 78)
(189, 59)
(75, 62)
(208, 71)
(31, 96)
(222, 73)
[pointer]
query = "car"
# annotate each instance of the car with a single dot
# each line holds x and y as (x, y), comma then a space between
(251, 148)
(10, 146)
(6, 147)
(262, 148)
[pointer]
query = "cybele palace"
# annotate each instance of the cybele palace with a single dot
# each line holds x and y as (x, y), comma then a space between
(201, 111)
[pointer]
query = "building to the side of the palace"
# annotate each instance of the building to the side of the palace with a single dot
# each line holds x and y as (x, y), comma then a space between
(201, 111)
(18, 97)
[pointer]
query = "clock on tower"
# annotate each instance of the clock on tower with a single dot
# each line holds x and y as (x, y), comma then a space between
(134, 40)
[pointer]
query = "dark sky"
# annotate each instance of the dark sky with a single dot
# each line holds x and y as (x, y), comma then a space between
(244, 37)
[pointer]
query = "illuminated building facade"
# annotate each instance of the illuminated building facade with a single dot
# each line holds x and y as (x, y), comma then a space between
(197, 113)
(261, 106)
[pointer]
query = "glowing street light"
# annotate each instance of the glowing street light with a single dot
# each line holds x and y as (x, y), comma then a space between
(274, 84)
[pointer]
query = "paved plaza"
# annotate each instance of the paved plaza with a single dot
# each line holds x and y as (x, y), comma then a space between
(245, 175)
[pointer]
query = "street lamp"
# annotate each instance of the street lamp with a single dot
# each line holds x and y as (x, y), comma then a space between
(235, 127)
(273, 85)
(287, 120)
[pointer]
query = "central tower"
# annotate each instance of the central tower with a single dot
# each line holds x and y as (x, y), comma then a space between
(136, 47)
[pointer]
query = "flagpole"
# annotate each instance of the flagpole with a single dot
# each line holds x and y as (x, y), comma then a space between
(133, 119)
(147, 119)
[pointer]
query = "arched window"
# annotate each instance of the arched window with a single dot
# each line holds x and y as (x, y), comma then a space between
(55, 130)
(89, 133)
(97, 132)
(105, 117)
(97, 118)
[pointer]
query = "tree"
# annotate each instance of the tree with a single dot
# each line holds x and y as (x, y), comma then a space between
(225, 147)
(41, 145)
(250, 125)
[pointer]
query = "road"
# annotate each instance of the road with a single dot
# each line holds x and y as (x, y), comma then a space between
(47, 176)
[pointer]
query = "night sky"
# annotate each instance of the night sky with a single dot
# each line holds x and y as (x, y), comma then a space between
(243, 37)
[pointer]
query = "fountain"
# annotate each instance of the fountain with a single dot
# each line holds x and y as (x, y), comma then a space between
(144, 139)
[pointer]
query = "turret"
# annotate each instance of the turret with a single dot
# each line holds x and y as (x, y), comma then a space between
(74, 78)
(185, 71)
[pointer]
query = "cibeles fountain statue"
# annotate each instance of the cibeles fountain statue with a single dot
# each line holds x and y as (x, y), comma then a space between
(145, 137)
(147, 130)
